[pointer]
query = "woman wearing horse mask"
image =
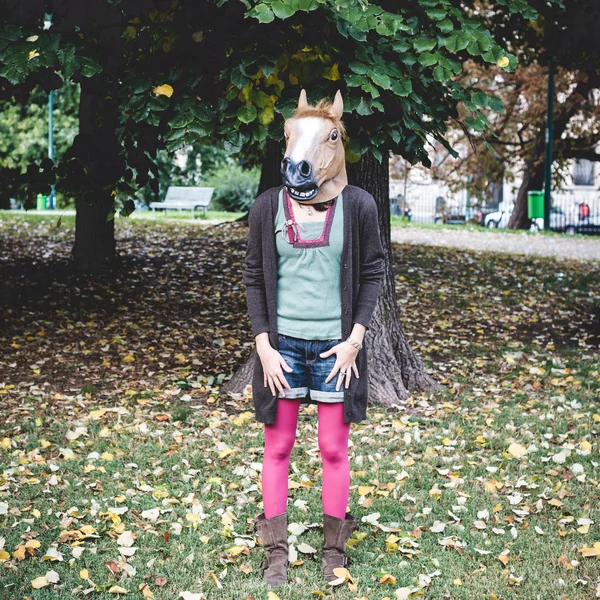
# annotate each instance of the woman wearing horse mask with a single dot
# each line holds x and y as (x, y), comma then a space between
(314, 264)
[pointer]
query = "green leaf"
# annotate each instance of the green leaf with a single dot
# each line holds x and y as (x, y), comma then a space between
(401, 46)
(354, 80)
(364, 108)
(381, 79)
(445, 26)
(247, 114)
(478, 45)
(239, 77)
(174, 134)
(201, 129)
(127, 208)
(424, 44)
(440, 74)
(495, 104)
(262, 13)
(475, 124)
(358, 67)
(181, 120)
(437, 14)
(402, 87)
(493, 55)
(458, 41)
(429, 58)
(480, 99)
(282, 9)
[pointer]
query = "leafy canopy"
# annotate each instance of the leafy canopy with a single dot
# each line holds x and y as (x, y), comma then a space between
(185, 72)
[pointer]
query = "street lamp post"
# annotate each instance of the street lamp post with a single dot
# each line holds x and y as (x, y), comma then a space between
(51, 203)
(549, 141)
(51, 199)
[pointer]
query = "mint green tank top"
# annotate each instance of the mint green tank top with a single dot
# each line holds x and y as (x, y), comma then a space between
(309, 302)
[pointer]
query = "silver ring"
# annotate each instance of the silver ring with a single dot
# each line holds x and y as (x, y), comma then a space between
(342, 372)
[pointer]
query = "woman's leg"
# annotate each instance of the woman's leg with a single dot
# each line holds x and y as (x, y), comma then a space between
(279, 441)
(333, 444)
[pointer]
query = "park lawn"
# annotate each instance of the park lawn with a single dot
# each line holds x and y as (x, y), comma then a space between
(116, 440)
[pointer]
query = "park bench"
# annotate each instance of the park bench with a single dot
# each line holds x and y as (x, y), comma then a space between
(185, 198)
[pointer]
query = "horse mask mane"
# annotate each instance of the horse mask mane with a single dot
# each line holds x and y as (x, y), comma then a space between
(313, 168)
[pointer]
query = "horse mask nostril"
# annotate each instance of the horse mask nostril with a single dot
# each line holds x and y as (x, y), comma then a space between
(305, 168)
(285, 165)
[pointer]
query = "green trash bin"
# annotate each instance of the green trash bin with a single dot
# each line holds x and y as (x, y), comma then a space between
(535, 204)
(41, 202)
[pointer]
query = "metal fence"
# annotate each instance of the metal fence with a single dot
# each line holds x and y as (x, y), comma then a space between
(430, 203)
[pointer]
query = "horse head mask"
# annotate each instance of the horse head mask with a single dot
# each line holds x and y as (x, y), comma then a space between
(314, 167)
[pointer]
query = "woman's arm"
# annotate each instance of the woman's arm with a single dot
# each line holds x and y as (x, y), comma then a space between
(253, 277)
(272, 362)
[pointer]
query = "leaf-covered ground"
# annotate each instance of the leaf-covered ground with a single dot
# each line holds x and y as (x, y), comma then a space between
(125, 473)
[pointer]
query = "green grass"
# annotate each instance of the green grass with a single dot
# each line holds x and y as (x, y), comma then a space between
(401, 222)
(220, 215)
(513, 345)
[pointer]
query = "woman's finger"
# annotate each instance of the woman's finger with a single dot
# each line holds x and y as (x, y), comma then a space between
(348, 375)
(283, 380)
(271, 385)
(285, 366)
(355, 369)
(340, 379)
(328, 352)
(332, 373)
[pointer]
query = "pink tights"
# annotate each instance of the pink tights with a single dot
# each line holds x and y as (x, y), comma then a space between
(333, 444)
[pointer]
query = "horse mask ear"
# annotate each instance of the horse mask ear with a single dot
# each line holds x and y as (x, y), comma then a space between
(302, 101)
(337, 107)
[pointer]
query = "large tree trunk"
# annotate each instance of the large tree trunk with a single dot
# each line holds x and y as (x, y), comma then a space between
(94, 234)
(270, 175)
(394, 367)
(97, 161)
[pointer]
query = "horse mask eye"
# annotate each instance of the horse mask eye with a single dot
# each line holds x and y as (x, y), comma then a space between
(334, 135)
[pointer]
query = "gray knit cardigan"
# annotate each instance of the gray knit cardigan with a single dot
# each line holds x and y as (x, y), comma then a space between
(362, 271)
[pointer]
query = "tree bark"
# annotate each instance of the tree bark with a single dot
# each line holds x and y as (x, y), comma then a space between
(270, 175)
(94, 234)
(394, 367)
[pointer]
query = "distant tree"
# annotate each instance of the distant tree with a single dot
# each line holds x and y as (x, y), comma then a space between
(24, 129)
(565, 37)
(513, 143)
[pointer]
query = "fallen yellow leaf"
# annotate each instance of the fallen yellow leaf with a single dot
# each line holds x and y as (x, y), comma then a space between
(593, 551)
(117, 589)
(39, 582)
(163, 90)
(517, 450)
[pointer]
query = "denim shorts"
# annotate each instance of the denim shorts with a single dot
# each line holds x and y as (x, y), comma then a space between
(310, 370)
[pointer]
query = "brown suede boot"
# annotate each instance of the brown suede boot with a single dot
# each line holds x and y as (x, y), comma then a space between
(336, 533)
(274, 536)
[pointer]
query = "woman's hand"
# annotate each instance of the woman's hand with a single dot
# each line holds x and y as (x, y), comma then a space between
(345, 363)
(272, 363)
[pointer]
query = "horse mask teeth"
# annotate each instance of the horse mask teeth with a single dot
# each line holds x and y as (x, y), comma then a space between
(313, 168)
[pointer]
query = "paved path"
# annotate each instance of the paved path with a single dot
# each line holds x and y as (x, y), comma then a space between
(563, 246)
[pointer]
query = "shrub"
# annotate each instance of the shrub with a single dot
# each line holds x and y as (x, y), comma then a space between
(235, 187)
